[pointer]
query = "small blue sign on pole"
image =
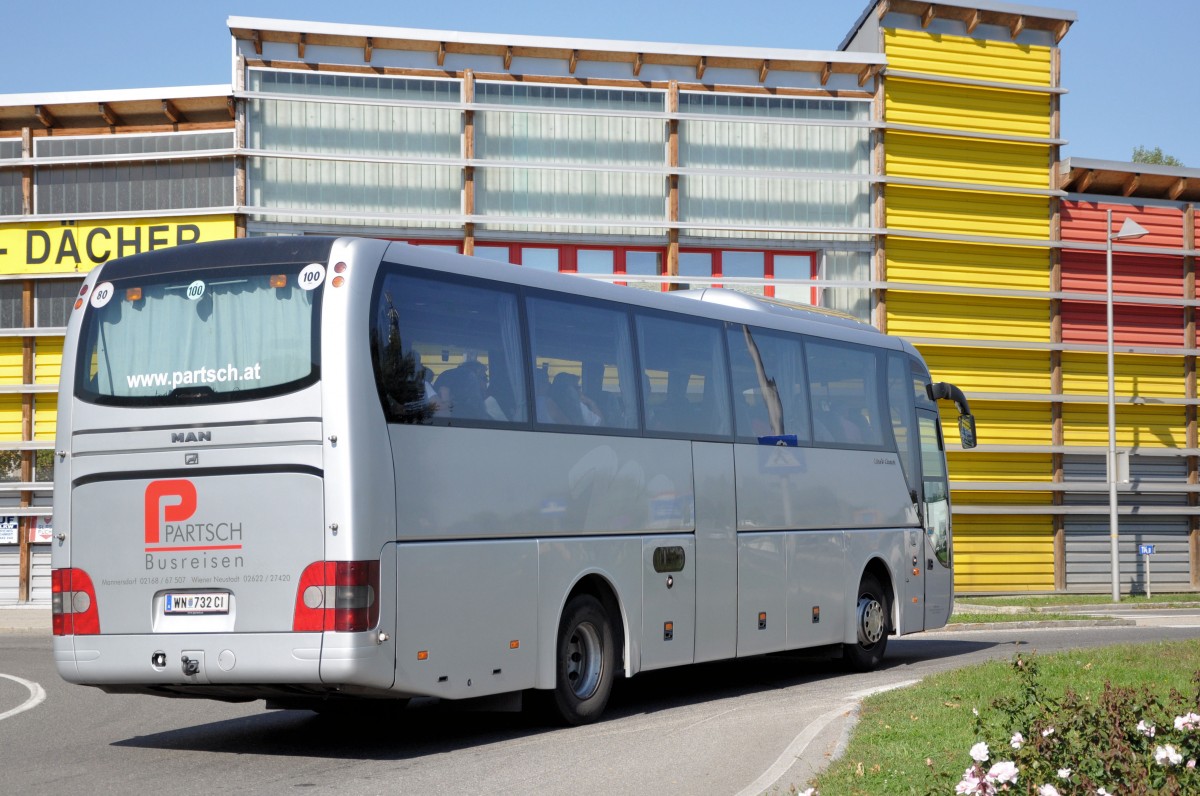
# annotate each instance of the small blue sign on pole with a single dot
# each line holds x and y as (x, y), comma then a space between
(1145, 550)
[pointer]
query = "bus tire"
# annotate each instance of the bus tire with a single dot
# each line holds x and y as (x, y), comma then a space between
(871, 625)
(585, 659)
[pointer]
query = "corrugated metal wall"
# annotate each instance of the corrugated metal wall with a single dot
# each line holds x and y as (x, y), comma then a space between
(39, 585)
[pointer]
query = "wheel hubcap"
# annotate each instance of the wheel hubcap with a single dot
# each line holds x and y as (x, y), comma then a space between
(870, 621)
(584, 660)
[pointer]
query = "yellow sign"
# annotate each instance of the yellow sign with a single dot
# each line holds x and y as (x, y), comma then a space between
(56, 246)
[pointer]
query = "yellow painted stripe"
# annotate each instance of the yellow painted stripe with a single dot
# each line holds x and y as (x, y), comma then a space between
(1003, 553)
(1003, 423)
(969, 160)
(967, 212)
(961, 56)
(968, 317)
(939, 262)
(1137, 426)
(989, 466)
(10, 360)
(989, 369)
(991, 498)
(1154, 376)
(45, 415)
(10, 417)
(967, 108)
(47, 360)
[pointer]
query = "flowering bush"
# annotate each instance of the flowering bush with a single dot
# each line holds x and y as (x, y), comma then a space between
(1074, 745)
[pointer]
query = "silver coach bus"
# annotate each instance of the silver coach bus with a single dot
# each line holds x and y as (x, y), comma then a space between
(311, 469)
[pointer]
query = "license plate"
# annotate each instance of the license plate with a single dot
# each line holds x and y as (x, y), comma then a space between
(198, 603)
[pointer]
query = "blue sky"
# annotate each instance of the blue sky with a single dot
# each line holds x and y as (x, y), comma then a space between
(1130, 67)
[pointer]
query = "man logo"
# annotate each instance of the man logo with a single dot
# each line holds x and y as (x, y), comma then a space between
(191, 436)
(181, 495)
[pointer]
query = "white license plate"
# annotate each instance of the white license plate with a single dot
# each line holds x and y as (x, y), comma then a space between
(198, 603)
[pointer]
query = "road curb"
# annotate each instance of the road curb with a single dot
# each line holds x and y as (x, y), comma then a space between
(1036, 623)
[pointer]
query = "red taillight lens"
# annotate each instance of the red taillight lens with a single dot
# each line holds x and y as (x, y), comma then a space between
(342, 596)
(73, 603)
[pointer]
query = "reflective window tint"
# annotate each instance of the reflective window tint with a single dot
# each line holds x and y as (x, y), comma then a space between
(843, 383)
(582, 365)
(594, 261)
(903, 417)
(498, 253)
(793, 266)
(770, 394)
(684, 385)
(744, 264)
(446, 352)
(540, 258)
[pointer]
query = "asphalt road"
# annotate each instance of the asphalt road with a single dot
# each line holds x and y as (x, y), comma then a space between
(750, 726)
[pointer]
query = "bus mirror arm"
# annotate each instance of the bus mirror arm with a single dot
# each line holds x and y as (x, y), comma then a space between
(944, 390)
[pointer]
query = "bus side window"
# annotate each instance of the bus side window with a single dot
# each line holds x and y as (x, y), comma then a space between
(582, 360)
(844, 385)
(447, 351)
(769, 390)
(685, 385)
(904, 420)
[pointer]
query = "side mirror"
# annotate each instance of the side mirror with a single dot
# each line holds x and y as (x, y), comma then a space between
(966, 431)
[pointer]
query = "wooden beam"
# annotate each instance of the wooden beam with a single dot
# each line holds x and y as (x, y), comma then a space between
(300, 45)
(637, 65)
(1018, 25)
(869, 71)
(1088, 178)
(441, 53)
(762, 71)
(44, 116)
(973, 20)
(1061, 30)
(928, 15)
(256, 39)
(574, 60)
(108, 115)
(701, 65)
(231, 107)
(367, 49)
(826, 71)
(1131, 184)
(882, 9)
(1177, 188)
(508, 58)
(172, 112)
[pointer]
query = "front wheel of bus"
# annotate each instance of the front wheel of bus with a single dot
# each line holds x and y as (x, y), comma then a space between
(586, 659)
(871, 624)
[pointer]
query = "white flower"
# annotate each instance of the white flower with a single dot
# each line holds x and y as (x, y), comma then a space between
(1166, 755)
(1190, 721)
(1017, 741)
(1103, 792)
(1048, 790)
(975, 711)
(979, 752)
(1145, 729)
(1064, 773)
(1191, 764)
(1002, 772)
(1046, 733)
(809, 792)
(969, 785)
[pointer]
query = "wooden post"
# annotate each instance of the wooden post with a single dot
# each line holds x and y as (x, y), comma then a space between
(468, 88)
(1189, 371)
(25, 524)
(239, 162)
(1057, 434)
(672, 264)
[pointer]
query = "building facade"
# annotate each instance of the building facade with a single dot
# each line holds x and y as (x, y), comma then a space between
(910, 178)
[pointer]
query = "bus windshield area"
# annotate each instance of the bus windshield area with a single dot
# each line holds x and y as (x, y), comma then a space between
(208, 335)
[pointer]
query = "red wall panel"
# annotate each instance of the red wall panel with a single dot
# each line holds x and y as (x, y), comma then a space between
(1134, 324)
(1133, 274)
(1084, 221)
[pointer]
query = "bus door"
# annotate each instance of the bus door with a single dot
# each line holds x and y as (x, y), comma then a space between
(935, 513)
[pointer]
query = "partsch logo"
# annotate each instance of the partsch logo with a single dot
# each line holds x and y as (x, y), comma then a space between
(180, 492)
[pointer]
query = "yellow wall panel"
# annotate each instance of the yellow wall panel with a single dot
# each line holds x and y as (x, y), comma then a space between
(960, 497)
(10, 360)
(968, 317)
(1003, 553)
(1152, 376)
(967, 108)
(47, 360)
(971, 160)
(989, 466)
(10, 418)
(45, 415)
(967, 212)
(1002, 423)
(939, 262)
(961, 56)
(1137, 426)
(989, 369)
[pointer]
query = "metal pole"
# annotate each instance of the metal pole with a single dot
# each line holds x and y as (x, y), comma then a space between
(1113, 525)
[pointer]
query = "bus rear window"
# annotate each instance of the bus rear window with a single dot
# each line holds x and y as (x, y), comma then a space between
(203, 336)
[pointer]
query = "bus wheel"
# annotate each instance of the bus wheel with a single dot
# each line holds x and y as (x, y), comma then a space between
(871, 622)
(586, 659)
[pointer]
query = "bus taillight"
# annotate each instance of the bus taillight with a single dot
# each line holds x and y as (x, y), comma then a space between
(342, 596)
(73, 603)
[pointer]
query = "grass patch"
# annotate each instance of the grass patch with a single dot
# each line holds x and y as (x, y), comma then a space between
(983, 616)
(1051, 600)
(909, 740)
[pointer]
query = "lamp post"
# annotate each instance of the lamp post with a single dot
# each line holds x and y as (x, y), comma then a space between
(1130, 229)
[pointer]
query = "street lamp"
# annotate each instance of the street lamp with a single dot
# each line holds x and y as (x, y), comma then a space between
(1129, 230)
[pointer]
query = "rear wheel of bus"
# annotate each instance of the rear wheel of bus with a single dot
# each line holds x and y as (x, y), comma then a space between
(585, 660)
(871, 623)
